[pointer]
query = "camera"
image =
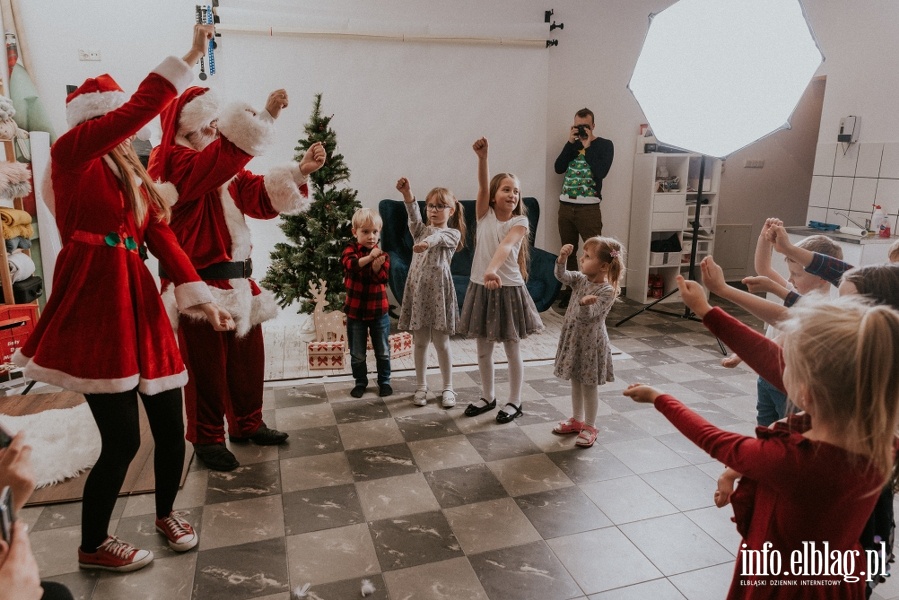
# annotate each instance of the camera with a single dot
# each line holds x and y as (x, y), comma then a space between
(6, 514)
(582, 132)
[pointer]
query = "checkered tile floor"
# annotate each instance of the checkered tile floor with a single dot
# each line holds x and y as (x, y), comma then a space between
(428, 504)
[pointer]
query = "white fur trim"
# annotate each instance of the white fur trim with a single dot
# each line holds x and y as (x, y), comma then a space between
(199, 112)
(98, 386)
(248, 132)
(241, 244)
(168, 192)
(177, 72)
(246, 309)
(94, 104)
(188, 295)
(283, 189)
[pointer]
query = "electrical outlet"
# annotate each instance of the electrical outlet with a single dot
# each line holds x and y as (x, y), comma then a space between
(754, 164)
(88, 55)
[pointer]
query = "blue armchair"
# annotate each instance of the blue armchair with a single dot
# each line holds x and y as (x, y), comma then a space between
(397, 242)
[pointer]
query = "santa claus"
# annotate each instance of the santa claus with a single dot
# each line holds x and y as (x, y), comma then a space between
(203, 152)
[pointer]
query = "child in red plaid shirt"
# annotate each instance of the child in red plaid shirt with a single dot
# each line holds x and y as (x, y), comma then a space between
(365, 275)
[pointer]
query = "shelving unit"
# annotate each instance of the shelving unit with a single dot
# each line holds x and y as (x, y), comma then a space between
(663, 206)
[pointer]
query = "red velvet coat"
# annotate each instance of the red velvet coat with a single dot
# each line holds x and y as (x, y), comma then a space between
(215, 194)
(104, 328)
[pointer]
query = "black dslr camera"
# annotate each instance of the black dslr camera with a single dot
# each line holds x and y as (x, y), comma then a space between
(582, 132)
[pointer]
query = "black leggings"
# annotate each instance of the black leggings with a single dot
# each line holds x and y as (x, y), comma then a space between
(117, 419)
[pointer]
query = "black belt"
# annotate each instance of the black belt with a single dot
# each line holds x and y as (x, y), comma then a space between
(224, 270)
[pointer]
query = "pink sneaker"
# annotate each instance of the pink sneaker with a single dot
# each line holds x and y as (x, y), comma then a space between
(572, 425)
(177, 531)
(587, 436)
(115, 555)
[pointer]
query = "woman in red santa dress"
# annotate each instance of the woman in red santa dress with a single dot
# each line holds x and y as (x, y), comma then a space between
(104, 332)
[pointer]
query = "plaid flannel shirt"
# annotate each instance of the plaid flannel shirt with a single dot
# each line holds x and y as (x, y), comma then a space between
(366, 292)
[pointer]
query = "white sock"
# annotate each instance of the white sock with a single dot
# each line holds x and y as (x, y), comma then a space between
(421, 338)
(441, 341)
(577, 400)
(485, 368)
(591, 404)
(516, 372)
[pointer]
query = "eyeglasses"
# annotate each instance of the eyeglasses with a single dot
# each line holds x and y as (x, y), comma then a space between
(437, 206)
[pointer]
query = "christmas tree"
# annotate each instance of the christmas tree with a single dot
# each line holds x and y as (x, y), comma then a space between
(318, 236)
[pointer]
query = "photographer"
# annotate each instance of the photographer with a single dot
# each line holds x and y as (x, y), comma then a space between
(18, 568)
(585, 160)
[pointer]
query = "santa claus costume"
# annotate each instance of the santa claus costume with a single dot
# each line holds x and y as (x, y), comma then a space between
(215, 193)
(104, 331)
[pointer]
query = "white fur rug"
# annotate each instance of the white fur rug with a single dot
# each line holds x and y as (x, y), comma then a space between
(64, 441)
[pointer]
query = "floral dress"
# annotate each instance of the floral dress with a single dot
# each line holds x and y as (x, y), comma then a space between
(429, 299)
(584, 352)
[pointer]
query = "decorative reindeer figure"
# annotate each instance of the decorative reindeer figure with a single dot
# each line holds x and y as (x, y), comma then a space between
(330, 326)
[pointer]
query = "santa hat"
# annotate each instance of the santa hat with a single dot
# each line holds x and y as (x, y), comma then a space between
(191, 111)
(94, 98)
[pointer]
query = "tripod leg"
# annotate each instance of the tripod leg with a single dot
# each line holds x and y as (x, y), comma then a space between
(646, 308)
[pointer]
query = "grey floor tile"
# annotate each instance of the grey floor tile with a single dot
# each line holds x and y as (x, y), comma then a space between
(687, 488)
(452, 579)
(662, 541)
(348, 588)
(563, 511)
(646, 455)
(506, 441)
(176, 571)
(711, 583)
(396, 496)
(538, 574)
(311, 441)
(490, 525)
(657, 589)
(381, 461)
(412, 540)
(242, 571)
(588, 465)
(628, 499)
(246, 481)
(321, 508)
(321, 557)
(463, 485)
(427, 426)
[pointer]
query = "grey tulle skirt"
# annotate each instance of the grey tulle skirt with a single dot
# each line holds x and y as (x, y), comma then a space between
(504, 315)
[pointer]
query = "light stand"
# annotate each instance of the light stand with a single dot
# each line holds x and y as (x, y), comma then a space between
(687, 314)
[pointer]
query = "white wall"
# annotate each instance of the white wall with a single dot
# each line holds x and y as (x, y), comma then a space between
(412, 109)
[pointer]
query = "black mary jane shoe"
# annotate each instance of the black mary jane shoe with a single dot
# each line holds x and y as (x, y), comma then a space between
(472, 411)
(504, 417)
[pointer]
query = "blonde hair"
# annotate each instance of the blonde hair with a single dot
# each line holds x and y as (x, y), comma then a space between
(844, 352)
(822, 245)
(366, 216)
(524, 255)
(893, 252)
(129, 165)
(611, 252)
(457, 220)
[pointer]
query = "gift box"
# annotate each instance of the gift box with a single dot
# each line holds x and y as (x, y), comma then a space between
(400, 344)
(326, 355)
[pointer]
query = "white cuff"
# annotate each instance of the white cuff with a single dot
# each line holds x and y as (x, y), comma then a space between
(251, 133)
(177, 72)
(283, 185)
(190, 294)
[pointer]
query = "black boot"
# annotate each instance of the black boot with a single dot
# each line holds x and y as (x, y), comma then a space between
(216, 457)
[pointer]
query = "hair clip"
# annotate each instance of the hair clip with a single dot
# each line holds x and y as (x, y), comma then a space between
(614, 254)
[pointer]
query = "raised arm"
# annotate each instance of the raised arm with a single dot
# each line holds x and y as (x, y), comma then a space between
(713, 278)
(482, 205)
(763, 250)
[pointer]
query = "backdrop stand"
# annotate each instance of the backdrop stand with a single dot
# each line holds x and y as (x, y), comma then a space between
(687, 314)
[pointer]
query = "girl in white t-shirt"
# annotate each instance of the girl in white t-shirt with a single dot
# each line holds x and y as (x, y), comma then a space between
(498, 307)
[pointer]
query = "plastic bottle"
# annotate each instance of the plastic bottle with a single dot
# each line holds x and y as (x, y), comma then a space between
(879, 221)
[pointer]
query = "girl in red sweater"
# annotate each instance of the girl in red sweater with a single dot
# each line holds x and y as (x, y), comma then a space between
(807, 491)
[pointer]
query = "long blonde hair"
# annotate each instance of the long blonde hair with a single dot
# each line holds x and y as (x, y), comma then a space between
(524, 255)
(844, 352)
(457, 220)
(129, 165)
(611, 252)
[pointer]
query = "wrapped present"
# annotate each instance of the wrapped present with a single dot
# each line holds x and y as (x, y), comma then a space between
(326, 355)
(400, 344)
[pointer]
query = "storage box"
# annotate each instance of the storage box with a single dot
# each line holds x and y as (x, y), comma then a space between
(661, 259)
(400, 344)
(326, 355)
(17, 322)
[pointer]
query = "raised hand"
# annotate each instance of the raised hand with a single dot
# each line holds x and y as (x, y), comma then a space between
(564, 253)
(276, 101)
(712, 275)
(639, 392)
(693, 296)
(200, 42)
(405, 188)
(314, 159)
(480, 147)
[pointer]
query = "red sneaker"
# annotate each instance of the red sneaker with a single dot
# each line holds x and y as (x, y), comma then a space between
(115, 555)
(177, 531)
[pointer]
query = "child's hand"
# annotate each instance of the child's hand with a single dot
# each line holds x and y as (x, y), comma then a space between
(314, 159)
(199, 43)
(565, 252)
(588, 300)
(480, 147)
(276, 101)
(492, 281)
(759, 284)
(639, 392)
(780, 238)
(403, 187)
(375, 252)
(725, 487)
(378, 262)
(693, 296)
(712, 275)
(420, 247)
(729, 362)
(769, 223)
